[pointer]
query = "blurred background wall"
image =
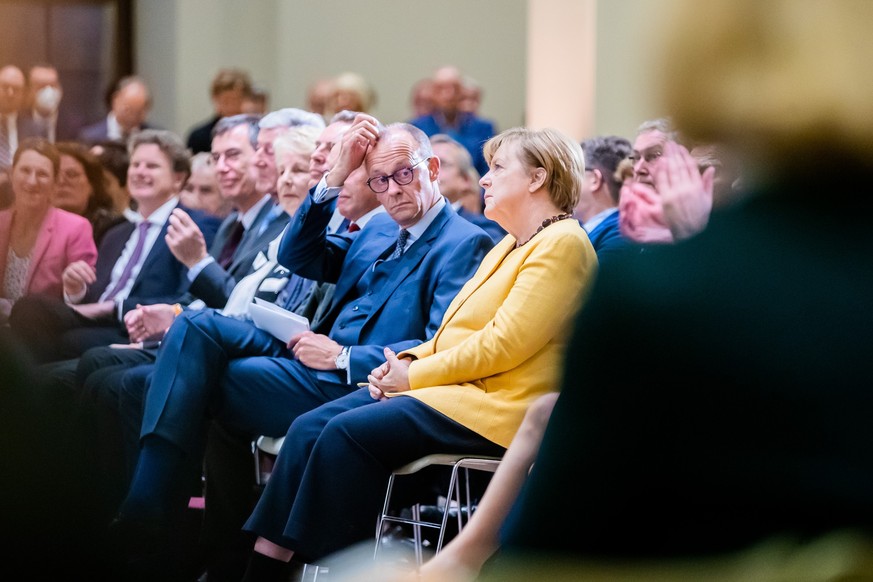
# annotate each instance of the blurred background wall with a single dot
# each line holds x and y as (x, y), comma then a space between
(577, 65)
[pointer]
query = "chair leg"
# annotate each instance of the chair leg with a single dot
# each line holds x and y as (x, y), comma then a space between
(416, 534)
(380, 523)
(469, 498)
(453, 482)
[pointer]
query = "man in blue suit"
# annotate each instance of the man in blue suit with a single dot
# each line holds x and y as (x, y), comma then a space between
(466, 127)
(134, 264)
(394, 280)
(247, 178)
(597, 210)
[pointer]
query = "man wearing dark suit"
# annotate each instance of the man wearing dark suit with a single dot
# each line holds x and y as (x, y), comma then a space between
(242, 148)
(597, 210)
(229, 88)
(13, 126)
(134, 264)
(471, 131)
(392, 288)
(129, 106)
(43, 105)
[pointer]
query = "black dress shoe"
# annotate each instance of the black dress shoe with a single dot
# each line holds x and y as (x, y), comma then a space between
(146, 549)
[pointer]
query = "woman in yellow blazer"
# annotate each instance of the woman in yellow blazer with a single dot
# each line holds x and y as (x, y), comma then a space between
(466, 390)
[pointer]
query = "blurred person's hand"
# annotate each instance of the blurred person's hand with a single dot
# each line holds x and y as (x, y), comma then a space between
(77, 276)
(185, 239)
(686, 194)
(149, 322)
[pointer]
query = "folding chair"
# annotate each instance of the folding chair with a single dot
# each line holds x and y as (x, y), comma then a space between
(457, 463)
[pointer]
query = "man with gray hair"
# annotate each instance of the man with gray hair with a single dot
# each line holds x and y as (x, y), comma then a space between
(271, 126)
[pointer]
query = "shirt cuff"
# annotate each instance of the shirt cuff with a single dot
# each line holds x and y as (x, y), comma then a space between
(196, 269)
(323, 193)
(349, 368)
(77, 298)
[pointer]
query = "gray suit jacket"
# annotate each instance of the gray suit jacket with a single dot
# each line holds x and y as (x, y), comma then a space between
(214, 284)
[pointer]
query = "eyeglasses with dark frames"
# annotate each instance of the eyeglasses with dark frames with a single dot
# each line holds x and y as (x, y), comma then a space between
(401, 177)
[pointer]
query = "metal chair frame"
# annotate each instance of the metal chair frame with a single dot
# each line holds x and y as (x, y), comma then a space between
(456, 462)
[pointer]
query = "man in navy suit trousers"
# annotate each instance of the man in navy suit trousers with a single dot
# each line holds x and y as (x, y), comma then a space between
(394, 280)
(134, 264)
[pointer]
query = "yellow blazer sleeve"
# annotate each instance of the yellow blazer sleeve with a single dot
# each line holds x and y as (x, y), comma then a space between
(547, 289)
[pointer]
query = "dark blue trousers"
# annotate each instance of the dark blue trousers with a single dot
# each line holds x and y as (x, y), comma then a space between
(329, 482)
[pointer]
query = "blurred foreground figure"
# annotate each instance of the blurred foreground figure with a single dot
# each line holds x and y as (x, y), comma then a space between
(741, 430)
(732, 442)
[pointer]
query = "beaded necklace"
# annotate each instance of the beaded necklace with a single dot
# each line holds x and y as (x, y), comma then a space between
(545, 223)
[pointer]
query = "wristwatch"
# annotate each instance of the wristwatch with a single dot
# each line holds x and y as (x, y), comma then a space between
(342, 359)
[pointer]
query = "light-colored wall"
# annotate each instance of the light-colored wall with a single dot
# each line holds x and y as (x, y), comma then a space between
(286, 44)
(562, 61)
(626, 47)
(582, 66)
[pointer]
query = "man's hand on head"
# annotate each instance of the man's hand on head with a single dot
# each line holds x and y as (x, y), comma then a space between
(354, 146)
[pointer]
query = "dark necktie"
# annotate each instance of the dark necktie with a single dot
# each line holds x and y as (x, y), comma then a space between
(5, 150)
(226, 257)
(353, 227)
(142, 233)
(401, 244)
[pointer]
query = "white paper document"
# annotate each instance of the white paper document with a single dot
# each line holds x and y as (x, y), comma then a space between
(281, 323)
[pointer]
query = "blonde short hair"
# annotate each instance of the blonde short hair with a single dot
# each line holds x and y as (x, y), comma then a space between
(557, 154)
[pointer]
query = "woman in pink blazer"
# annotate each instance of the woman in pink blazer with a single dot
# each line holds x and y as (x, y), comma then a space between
(38, 241)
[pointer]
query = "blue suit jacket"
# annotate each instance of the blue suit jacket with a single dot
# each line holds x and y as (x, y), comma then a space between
(494, 230)
(606, 238)
(471, 131)
(213, 285)
(409, 307)
(162, 278)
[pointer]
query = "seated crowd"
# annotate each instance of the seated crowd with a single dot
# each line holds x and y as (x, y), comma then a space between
(638, 329)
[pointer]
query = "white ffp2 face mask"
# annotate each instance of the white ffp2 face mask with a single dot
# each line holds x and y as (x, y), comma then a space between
(47, 99)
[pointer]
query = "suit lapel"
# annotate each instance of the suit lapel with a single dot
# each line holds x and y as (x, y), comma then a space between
(252, 243)
(158, 252)
(223, 233)
(5, 233)
(107, 256)
(489, 264)
(355, 267)
(410, 260)
(251, 233)
(41, 245)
